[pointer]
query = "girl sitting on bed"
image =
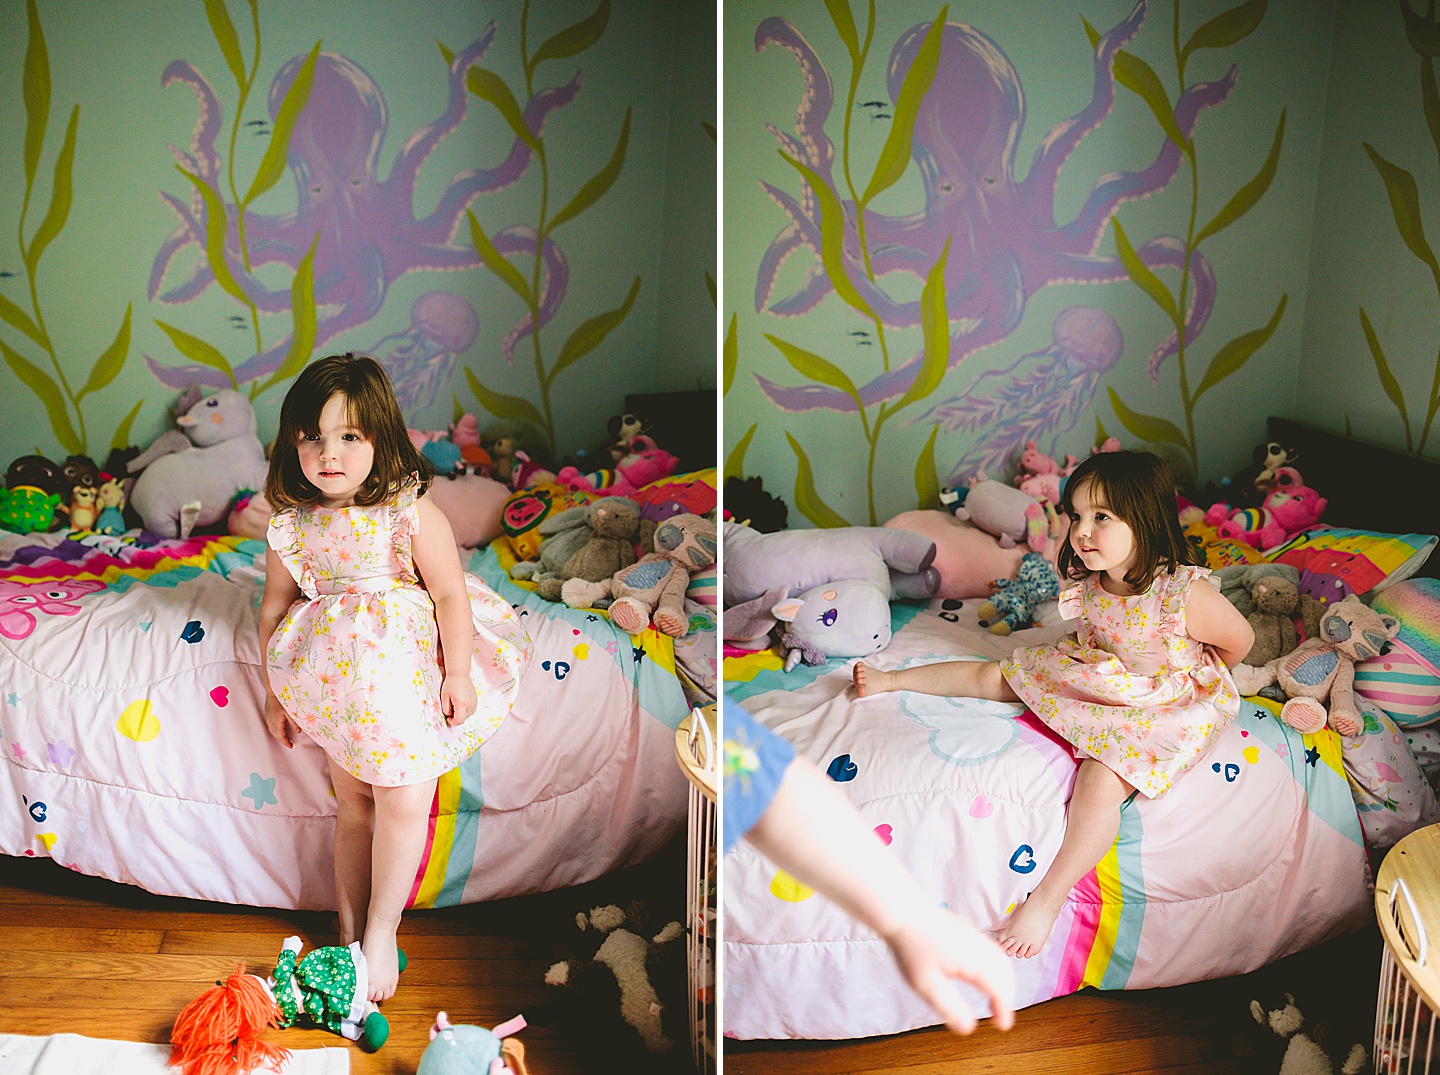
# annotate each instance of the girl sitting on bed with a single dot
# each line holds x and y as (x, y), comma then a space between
(377, 644)
(1141, 691)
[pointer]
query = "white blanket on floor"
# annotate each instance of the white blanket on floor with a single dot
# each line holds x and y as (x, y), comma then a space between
(70, 1054)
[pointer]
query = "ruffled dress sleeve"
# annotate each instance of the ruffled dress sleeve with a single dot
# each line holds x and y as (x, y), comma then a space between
(1175, 593)
(283, 535)
(405, 519)
(1071, 600)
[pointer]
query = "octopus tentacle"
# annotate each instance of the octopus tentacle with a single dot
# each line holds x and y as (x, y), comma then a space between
(175, 242)
(819, 95)
(1083, 234)
(439, 226)
(1202, 298)
(1056, 147)
(202, 153)
(420, 144)
(553, 282)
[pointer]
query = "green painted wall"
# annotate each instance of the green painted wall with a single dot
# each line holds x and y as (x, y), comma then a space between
(108, 60)
(1258, 260)
(1360, 259)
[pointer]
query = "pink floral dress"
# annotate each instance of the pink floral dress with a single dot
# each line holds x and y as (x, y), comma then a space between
(356, 662)
(1130, 688)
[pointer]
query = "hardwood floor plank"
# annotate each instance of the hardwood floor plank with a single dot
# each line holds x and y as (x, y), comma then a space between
(37, 938)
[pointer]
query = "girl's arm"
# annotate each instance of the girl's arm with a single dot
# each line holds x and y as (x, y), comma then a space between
(438, 564)
(1211, 619)
(281, 591)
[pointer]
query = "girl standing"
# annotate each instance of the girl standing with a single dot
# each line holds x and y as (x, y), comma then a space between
(1141, 691)
(377, 644)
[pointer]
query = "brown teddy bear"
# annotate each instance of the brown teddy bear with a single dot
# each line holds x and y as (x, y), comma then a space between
(655, 586)
(1271, 617)
(1324, 668)
(610, 547)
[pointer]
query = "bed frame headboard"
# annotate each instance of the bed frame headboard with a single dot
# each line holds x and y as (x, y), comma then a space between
(1368, 487)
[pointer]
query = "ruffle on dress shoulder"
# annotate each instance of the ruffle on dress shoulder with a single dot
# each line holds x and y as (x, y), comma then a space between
(1071, 600)
(405, 518)
(1175, 592)
(283, 535)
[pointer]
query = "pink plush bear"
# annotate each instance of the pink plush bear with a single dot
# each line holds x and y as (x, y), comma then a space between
(1035, 462)
(1290, 507)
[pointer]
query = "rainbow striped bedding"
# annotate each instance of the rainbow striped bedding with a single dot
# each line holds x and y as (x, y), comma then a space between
(1256, 854)
(132, 745)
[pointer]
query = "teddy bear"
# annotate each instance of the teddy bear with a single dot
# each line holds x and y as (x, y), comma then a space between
(189, 477)
(473, 1050)
(562, 535)
(653, 588)
(1271, 617)
(625, 966)
(1013, 607)
(610, 527)
(1323, 668)
(1290, 506)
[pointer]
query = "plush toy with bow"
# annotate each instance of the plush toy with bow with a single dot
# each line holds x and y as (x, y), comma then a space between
(473, 1050)
(1323, 669)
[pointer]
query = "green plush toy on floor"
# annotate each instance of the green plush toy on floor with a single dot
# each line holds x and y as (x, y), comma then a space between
(327, 988)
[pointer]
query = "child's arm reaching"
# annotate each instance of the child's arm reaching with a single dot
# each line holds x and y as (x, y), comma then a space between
(1211, 619)
(811, 830)
(280, 593)
(433, 550)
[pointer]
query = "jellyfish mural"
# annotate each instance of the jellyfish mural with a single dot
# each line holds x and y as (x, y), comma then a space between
(368, 233)
(1041, 403)
(1012, 243)
(421, 359)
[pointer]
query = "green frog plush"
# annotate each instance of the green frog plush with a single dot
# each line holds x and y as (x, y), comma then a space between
(27, 509)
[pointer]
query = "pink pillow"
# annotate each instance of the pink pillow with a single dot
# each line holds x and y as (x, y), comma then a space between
(967, 558)
(473, 505)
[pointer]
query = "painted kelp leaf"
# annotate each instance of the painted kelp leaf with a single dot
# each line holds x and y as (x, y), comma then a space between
(735, 461)
(215, 237)
(730, 355)
(62, 192)
(501, 405)
(927, 477)
(1145, 279)
(1246, 197)
(21, 320)
(832, 237)
(227, 39)
(1387, 378)
(596, 186)
(302, 317)
(495, 261)
(807, 500)
(198, 350)
(107, 367)
(122, 432)
(572, 40)
(1140, 78)
(1227, 28)
(35, 89)
(935, 325)
(811, 365)
(1405, 205)
(1237, 352)
(593, 332)
(895, 156)
(45, 389)
(1146, 426)
(489, 86)
(272, 165)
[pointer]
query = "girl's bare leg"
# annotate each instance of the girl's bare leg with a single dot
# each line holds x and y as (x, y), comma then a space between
(354, 834)
(401, 817)
(951, 679)
(1091, 822)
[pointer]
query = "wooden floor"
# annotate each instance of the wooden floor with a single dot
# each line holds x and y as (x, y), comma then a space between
(105, 960)
(1186, 1030)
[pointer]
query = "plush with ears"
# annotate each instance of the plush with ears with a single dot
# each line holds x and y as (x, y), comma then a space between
(895, 562)
(1010, 514)
(1292, 505)
(473, 1050)
(848, 618)
(1014, 606)
(189, 479)
(1323, 668)
(653, 588)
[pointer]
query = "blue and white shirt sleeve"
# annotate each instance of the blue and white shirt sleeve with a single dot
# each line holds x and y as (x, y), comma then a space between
(755, 763)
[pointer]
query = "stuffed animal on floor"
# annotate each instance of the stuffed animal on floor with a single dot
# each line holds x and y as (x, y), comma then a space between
(654, 588)
(1013, 607)
(1303, 1053)
(895, 562)
(1322, 670)
(473, 1050)
(624, 994)
(189, 477)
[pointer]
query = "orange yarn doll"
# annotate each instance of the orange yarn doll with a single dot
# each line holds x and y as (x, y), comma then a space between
(218, 1033)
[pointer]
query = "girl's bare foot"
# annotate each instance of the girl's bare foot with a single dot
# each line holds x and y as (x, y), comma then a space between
(382, 962)
(1027, 930)
(870, 681)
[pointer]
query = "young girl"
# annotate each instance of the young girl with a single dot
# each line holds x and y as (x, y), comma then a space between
(377, 644)
(1141, 691)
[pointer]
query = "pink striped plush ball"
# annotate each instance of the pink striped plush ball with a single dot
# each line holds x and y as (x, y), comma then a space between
(1406, 681)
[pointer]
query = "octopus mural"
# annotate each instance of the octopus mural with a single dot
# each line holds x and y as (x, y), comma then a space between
(1006, 244)
(1040, 403)
(369, 235)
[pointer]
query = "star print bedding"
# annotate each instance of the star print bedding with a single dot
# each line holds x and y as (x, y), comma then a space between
(132, 745)
(1255, 854)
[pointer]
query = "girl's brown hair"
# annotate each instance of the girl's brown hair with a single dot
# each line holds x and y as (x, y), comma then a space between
(372, 409)
(1138, 489)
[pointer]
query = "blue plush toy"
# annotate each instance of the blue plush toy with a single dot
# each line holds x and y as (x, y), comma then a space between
(1014, 606)
(473, 1050)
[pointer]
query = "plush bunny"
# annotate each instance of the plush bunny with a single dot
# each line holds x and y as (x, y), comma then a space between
(1324, 668)
(473, 1050)
(654, 588)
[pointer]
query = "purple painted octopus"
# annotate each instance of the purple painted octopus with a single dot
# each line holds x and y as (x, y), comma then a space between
(369, 235)
(1006, 243)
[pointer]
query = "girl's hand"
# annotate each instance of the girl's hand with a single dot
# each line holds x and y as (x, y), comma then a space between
(278, 721)
(458, 700)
